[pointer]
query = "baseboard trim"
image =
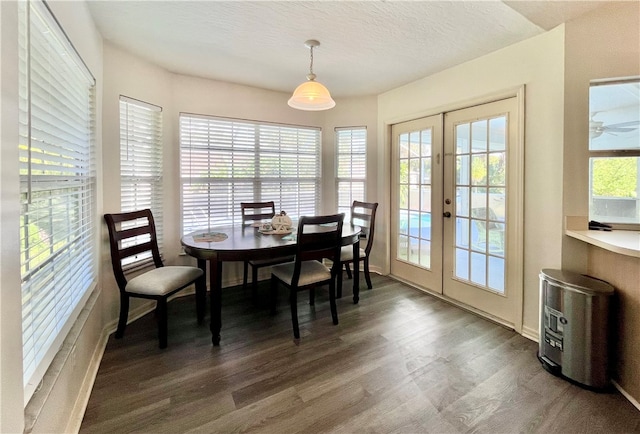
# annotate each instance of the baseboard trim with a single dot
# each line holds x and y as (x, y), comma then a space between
(530, 333)
(624, 393)
(453, 302)
(80, 406)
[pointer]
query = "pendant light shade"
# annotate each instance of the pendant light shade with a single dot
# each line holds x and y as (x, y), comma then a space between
(311, 95)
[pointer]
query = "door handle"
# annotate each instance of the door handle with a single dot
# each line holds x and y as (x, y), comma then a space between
(446, 214)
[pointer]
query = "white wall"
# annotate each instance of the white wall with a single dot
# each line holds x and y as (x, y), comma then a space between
(538, 64)
(602, 44)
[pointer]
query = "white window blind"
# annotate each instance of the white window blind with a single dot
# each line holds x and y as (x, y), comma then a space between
(227, 161)
(351, 145)
(141, 163)
(57, 181)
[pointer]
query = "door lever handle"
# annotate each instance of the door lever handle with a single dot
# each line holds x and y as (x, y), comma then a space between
(446, 214)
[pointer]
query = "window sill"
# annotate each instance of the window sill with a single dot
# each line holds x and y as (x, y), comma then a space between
(618, 241)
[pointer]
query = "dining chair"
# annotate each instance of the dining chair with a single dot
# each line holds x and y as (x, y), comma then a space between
(255, 212)
(133, 235)
(363, 214)
(318, 238)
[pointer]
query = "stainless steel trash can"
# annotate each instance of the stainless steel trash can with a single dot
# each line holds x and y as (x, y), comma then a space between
(574, 327)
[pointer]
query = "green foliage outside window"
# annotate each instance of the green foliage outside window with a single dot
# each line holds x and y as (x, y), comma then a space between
(615, 177)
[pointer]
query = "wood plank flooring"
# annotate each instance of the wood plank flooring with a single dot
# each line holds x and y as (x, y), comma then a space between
(400, 361)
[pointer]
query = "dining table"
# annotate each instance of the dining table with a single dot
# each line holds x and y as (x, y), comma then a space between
(246, 243)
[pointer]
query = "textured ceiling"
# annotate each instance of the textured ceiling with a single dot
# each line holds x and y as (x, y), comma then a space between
(367, 47)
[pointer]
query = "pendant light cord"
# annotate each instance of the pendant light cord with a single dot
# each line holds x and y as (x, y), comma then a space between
(311, 61)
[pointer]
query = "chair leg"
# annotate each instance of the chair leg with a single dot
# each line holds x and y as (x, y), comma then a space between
(245, 274)
(124, 314)
(339, 278)
(293, 301)
(274, 295)
(348, 268)
(163, 325)
(367, 276)
(332, 301)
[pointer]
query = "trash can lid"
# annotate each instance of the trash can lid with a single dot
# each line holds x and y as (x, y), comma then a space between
(579, 282)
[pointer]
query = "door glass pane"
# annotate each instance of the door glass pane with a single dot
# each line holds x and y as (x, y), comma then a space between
(414, 250)
(479, 169)
(425, 254)
(426, 170)
(403, 219)
(462, 138)
(462, 232)
(463, 170)
(414, 197)
(462, 264)
(497, 169)
(479, 136)
(403, 247)
(404, 146)
(462, 201)
(425, 198)
(425, 226)
(478, 268)
(478, 235)
(414, 171)
(414, 185)
(481, 177)
(497, 134)
(496, 274)
(404, 196)
(404, 171)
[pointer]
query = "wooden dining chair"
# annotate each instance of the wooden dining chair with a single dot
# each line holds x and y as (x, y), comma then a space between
(318, 238)
(363, 214)
(133, 234)
(255, 212)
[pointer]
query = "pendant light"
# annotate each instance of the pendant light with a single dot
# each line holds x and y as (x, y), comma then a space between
(311, 95)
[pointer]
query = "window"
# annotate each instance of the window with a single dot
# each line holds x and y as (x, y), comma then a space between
(141, 162)
(227, 161)
(614, 147)
(57, 187)
(351, 151)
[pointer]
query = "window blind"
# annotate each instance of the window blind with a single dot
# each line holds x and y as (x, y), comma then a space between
(141, 164)
(57, 182)
(227, 161)
(351, 154)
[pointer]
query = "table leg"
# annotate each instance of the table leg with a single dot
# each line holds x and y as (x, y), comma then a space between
(201, 292)
(356, 271)
(215, 274)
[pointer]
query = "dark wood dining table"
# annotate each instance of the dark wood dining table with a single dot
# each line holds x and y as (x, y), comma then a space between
(246, 243)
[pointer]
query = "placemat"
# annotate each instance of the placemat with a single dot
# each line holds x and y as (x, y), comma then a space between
(208, 237)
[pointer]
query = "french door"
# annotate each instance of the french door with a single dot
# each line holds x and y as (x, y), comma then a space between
(416, 249)
(457, 207)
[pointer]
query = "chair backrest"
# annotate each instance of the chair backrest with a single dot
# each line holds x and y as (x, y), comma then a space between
(318, 237)
(131, 233)
(256, 211)
(363, 214)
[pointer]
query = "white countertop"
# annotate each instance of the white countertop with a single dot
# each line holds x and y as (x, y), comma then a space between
(617, 241)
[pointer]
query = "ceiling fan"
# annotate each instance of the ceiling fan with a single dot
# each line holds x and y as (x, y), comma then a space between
(597, 128)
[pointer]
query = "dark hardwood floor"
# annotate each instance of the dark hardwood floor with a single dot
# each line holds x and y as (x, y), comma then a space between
(399, 361)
